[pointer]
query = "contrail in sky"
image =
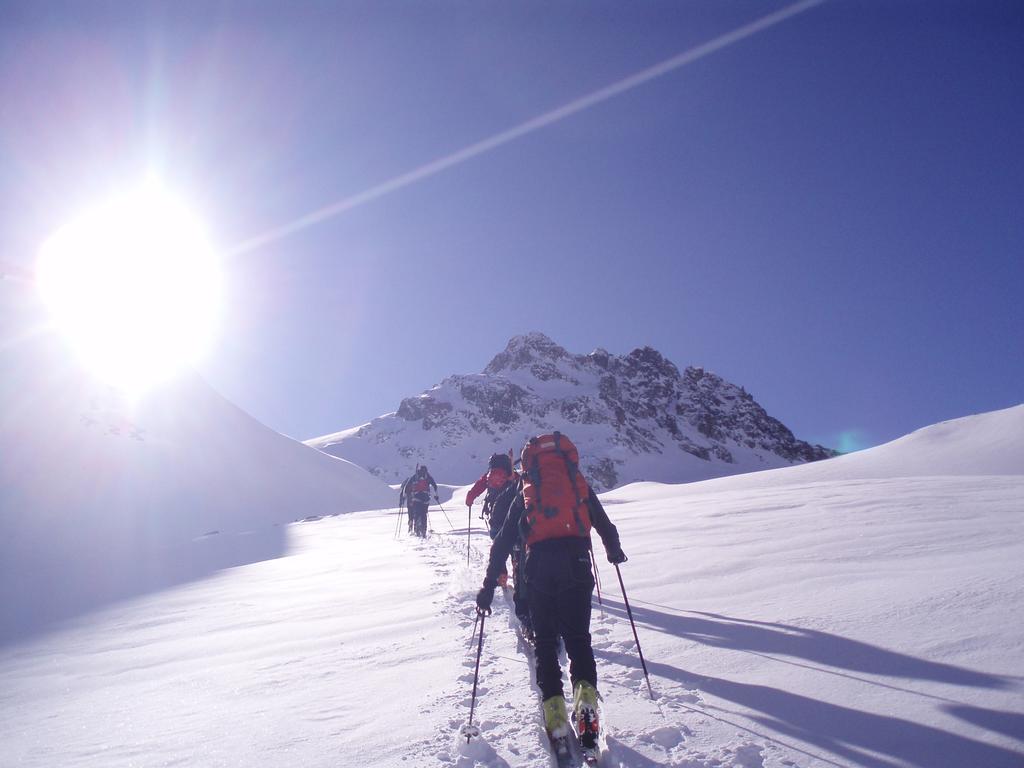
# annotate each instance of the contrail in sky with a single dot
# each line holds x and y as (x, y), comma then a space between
(534, 124)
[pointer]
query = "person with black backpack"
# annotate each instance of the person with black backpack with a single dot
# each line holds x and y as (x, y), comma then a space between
(416, 492)
(553, 513)
(501, 483)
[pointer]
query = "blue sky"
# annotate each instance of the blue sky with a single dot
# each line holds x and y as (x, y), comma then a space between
(828, 213)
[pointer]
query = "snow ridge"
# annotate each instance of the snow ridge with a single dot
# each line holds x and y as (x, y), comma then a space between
(634, 417)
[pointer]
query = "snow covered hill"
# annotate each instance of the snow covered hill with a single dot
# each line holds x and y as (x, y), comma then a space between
(634, 417)
(100, 498)
(979, 445)
(871, 618)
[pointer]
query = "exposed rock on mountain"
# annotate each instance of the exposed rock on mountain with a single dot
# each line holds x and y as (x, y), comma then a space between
(633, 417)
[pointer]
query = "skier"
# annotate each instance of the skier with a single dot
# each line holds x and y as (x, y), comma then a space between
(416, 491)
(405, 499)
(501, 483)
(554, 512)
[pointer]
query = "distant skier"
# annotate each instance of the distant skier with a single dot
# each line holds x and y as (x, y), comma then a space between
(501, 482)
(416, 492)
(554, 512)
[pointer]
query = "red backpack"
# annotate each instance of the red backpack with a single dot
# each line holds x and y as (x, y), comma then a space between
(554, 491)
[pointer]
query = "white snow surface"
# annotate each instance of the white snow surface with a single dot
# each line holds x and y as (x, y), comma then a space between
(866, 611)
(102, 498)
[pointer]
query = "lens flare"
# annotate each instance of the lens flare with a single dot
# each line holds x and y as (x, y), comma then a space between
(850, 440)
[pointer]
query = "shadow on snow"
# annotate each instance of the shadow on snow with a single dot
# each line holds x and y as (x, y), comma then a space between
(861, 738)
(109, 565)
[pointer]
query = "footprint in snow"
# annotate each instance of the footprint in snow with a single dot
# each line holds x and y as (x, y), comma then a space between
(747, 756)
(666, 736)
(480, 691)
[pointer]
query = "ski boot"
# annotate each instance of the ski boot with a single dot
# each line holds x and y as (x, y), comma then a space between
(556, 719)
(585, 714)
(556, 723)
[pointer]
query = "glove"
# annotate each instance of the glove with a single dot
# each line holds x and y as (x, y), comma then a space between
(483, 600)
(616, 556)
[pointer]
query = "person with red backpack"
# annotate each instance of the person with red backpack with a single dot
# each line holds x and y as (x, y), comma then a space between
(553, 513)
(416, 493)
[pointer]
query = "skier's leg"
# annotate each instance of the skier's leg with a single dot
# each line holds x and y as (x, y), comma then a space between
(519, 598)
(544, 617)
(574, 607)
(574, 621)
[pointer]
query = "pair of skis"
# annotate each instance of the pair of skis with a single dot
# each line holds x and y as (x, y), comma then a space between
(567, 750)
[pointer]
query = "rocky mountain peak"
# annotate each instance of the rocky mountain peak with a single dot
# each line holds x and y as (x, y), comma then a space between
(650, 360)
(525, 351)
(633, 417)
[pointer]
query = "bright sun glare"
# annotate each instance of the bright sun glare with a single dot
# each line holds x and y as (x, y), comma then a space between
(135, 286)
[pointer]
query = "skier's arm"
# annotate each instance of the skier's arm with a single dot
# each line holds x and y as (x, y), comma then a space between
(430, 478)
(605, 529)
(476, 490)
(501, 548)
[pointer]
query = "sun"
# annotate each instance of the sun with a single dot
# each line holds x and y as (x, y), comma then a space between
(135, 286)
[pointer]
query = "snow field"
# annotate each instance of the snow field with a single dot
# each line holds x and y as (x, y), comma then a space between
(870, 618)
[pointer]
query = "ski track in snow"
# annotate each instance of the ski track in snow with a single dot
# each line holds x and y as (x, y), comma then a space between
(508, 699)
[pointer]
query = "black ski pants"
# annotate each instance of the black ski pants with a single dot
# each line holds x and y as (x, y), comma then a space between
(559, 588)
(418, 518)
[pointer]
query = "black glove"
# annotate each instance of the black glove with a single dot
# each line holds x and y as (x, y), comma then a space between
(616, 556)
(483, 600)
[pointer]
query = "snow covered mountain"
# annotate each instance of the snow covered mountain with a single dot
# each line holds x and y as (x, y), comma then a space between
(633, 417)
(153, 491)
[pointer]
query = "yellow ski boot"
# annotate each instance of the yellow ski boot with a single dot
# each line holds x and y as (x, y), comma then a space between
(556, 723)
(585, 714)
(556, 719)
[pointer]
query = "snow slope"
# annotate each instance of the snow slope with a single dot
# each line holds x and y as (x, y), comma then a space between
(101, 498)
(873, 617)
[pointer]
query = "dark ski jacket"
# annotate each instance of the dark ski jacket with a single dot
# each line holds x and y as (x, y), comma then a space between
(572, 546)
(407, 493)
(496, 501)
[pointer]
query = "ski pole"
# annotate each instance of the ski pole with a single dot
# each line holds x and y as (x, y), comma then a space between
(629, 612)
(469, 731)
(469, 532)
(476, 621)
(443, 512)
(597, 578)
(398, 526)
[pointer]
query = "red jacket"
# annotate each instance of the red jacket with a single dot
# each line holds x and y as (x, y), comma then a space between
(478, 487)
(484, 483)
